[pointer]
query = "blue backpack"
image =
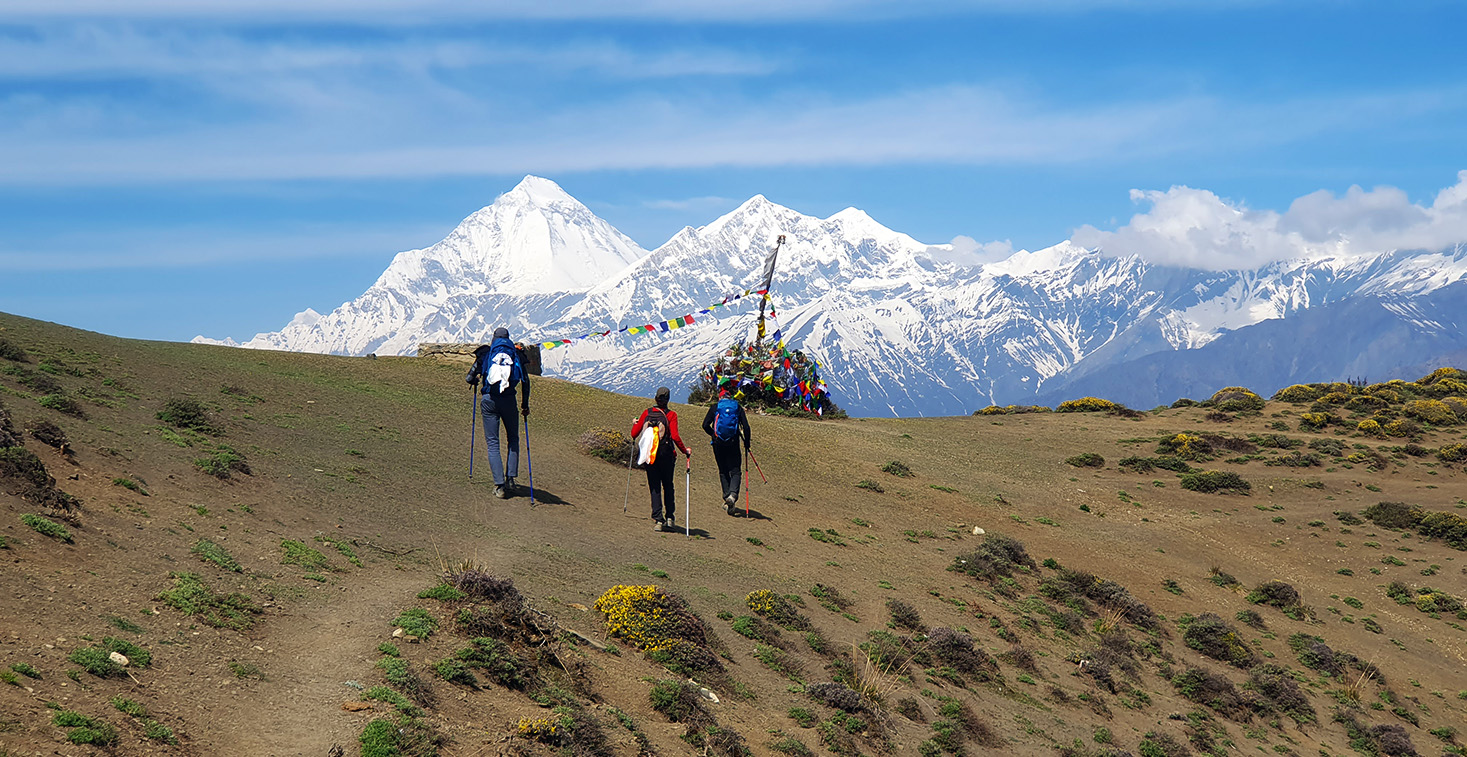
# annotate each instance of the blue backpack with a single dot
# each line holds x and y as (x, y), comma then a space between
(726, 421)
(506, 348)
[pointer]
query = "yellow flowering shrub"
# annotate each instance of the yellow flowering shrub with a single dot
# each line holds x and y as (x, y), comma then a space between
(1441, 374)
(1452, 453)
(1298, 393)
(1335, 398)
(1370, 428)
(1402, 427)
(1458, 406)
(777, 609)
(1085, 405)
(1390, 396)
(1431, 411)
(1186, 446)
(1235, 399)
(1315, 421)
(659, 624)
(542, 729)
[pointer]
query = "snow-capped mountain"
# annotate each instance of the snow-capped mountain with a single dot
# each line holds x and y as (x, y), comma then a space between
(898, 331)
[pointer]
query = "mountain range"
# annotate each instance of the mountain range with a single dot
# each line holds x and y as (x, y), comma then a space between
(899, 329)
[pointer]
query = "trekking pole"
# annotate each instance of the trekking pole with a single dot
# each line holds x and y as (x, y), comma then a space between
(746, 482)
(473, 426)
(624, 500)
(529, 462)
(756, 467)
(688, 500)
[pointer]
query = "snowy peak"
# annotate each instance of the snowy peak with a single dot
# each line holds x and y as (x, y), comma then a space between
(544, 193)
(534, 239)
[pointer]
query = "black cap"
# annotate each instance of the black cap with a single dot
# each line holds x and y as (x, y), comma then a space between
(501, 333)
(662, 394)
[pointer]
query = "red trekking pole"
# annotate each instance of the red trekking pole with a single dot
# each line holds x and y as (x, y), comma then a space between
(756, 465)
(746, 482)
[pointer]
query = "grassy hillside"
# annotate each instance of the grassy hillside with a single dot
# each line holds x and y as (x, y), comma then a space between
(255, 560)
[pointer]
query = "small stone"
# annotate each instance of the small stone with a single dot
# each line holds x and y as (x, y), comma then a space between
(708, 695)
(978, 531)
(356, 706)
(576, 606)
(119, 658)
(397, 634)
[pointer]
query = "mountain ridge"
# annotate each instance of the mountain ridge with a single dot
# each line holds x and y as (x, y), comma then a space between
(898, 331)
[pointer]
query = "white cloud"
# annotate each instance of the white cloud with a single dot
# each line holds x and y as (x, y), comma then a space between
(1196, 228)
(967, 251)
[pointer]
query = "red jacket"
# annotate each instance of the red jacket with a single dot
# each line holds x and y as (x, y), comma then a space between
(671, 427)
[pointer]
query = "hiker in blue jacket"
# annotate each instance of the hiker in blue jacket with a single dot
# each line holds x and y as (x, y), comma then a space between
(499, 366)
(724, 422)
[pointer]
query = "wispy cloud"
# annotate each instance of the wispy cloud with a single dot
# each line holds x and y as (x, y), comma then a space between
(1196, 228)
(689, 204)
(116, 51)
(176, 248)
(432, 11)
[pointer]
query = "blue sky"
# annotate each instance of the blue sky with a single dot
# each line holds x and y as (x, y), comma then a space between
(171, 167)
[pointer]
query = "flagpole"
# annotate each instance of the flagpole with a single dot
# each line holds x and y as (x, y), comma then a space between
(768, 284)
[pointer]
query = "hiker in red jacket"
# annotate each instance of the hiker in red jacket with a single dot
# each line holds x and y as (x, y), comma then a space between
(659, 472)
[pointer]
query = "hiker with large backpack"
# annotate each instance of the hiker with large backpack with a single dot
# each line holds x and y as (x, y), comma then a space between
(498, 369)
(725, 422)
(657, 442)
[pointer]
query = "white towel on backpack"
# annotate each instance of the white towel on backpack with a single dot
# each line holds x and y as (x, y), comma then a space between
(500, 370)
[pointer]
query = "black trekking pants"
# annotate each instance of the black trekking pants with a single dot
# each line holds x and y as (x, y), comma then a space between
(730, 467)
(659, 483)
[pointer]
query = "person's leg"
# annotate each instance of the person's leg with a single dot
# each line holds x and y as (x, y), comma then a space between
(727, 456)
(669, 505)
(654, 485)
(511, 417)
(490, 413)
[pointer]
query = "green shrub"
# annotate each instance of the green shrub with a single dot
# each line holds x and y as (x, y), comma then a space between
(679, 701)
(222, 462)
(897, 468)
(1212, 481)
(1086, 460)
(188, 413)
(62, 404)
(13, 352)
(443, 592)
(208, 551)
(416, 622)
(49, 434)
(85, 730)
(1393, 515)
(297, 553)
(996, 556)
(607, 444)
(46, 527)
(1216, 638)
(190, 596)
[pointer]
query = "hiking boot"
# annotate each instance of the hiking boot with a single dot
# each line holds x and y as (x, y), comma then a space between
(671, 525)
(731, 504)
(499, 491)
(510, 487)
(657, 526)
